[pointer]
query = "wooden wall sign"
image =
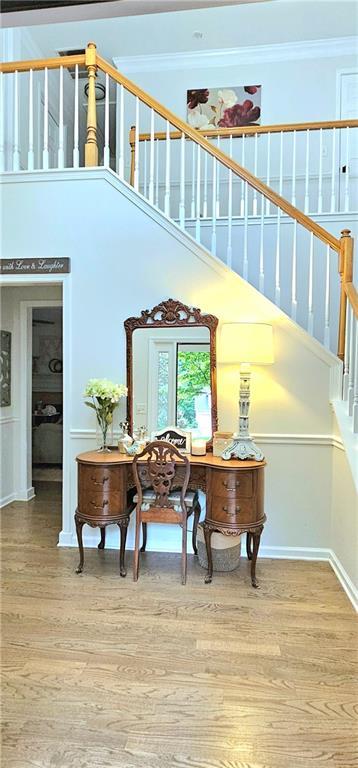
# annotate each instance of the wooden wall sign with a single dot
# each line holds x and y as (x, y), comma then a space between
(35, 266)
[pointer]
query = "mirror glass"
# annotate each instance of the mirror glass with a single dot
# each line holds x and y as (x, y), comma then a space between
(171, 379)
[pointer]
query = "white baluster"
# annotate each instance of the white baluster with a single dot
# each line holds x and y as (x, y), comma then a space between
(198, 182)
(76, 153)
(254, 199)
(167, 172)
(205, 201)
(352, 349)
(45, 154)
(294, 272)
(157, 173)
(280, 186)
(182, 183)
(136, 146)
(333, 173)
(320, 191)
(307, 172)
(151, 158)
(60, 154)
(277, 259)
(30, 153)
(326, 339)
(347, 346)
(310, 287)
(268, 165)
(192, 210)
(106, 153)
(16, 150)
(346, 185)
(242, 203)
(229, 214)
(245, 267)
(293, 196)
(218, 183)
(262, 272)
(121, 132)
(355, 394)
(213, 233)
(145, 170)
(2, 131)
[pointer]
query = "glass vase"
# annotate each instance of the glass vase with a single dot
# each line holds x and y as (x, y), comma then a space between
(104, 437)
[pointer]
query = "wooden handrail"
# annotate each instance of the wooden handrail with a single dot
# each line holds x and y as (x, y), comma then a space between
(224, 159)
(60, 61)
(248, 130)
(352, 296)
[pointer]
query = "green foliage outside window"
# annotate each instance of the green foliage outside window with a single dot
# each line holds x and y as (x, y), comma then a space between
(193, 380)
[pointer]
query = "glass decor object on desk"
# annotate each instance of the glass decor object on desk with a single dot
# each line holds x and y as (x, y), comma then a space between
(198, 447)
(125, 440)
(105, 396)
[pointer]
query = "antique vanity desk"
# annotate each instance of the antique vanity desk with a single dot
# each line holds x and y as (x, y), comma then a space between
(234, 499)
(156, 342)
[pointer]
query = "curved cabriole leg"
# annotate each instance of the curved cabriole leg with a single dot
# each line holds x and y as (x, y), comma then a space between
(101, 544)
(144, 530)
(197, 510)
(256, 538)
(248, 545)
(123, 525)
(136, 548)
(207, 534)
(79, 526)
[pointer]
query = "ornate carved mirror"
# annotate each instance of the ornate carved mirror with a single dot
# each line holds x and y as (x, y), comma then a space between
(171, 369)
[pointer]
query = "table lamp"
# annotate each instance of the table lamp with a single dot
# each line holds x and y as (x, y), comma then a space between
(245, 343)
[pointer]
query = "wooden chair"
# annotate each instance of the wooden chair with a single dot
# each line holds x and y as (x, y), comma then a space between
(161, 475)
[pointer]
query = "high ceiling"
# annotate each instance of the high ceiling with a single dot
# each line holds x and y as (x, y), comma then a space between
(29, 12)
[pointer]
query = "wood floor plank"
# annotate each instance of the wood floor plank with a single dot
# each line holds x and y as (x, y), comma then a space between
(100, 672)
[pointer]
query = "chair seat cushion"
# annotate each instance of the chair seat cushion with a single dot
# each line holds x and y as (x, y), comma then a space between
(173, 499)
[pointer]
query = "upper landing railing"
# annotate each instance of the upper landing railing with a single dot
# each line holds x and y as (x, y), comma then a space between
(51, 122)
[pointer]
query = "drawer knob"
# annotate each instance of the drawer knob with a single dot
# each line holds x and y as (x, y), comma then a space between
(106, 477)
(237, 509)
(99, 506)
(236, 485)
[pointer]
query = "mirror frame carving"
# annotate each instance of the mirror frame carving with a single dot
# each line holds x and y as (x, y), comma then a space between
(172, 313)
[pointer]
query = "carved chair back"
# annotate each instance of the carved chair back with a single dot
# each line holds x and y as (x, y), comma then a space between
(158, 467)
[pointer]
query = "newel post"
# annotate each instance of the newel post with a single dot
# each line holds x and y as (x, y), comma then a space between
(345, 269)
(91, 147)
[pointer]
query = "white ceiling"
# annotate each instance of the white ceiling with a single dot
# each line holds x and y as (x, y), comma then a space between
(249, 24)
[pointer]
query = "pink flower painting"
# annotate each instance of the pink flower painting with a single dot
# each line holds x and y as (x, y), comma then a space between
(209, 108)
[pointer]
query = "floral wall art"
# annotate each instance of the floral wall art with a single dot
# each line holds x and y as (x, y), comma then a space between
(210, 108)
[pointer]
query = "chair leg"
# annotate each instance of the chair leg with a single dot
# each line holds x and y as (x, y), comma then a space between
(183, 552)
(144, 529)
(197, 511)
(136, 548)
(123, 525)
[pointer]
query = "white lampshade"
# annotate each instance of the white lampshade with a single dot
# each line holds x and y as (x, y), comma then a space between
(246, 343)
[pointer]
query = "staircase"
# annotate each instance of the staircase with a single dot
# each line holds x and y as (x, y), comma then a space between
(244, 213)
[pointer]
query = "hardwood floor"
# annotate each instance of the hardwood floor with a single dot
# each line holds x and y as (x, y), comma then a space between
(102, 672)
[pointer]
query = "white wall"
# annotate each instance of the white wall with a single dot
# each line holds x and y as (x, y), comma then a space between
(344, 530)
(15, 477)
(115, 244)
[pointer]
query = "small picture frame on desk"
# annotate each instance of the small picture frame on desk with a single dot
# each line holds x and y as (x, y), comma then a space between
(176, 436)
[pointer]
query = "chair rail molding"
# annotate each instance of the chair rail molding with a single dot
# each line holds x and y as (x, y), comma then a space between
(251, 54)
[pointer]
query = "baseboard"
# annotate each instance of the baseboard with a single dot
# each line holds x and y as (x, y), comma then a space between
(344, 580)
(25, 495)
(7, 500)
(295, 553)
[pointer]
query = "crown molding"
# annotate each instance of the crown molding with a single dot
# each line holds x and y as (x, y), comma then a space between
(251, 54)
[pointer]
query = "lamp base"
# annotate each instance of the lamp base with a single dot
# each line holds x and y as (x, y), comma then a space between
(242, 448)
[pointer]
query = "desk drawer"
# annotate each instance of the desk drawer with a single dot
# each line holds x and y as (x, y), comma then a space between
(98, 504)
(232, 512)
(102, 479)
(231, 484)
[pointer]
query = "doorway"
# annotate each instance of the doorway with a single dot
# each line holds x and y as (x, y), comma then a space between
(47, 399)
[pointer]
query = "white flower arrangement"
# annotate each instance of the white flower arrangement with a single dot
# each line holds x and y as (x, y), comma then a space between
(105, 398)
